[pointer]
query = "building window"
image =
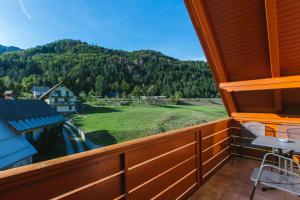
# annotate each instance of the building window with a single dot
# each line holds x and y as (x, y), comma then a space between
(70, 107)
(67, 93)
(56, 99)
(58, 92)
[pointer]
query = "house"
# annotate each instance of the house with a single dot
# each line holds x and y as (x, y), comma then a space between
(38, 91)
(61, 98)
(29, 117)
(21, 123)
(9, 94)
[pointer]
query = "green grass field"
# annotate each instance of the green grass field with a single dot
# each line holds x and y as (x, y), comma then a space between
(110, 125)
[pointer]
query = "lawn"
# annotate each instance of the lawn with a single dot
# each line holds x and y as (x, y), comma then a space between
(109, 125)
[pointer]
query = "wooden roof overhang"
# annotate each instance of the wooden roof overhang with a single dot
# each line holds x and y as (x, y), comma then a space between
(253, 49)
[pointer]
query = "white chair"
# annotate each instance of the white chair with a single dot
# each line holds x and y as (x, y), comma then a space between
(289, 131)
(249, 130)
(257, 129)
(282, 177)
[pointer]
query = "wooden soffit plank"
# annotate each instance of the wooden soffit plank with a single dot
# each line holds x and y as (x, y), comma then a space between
(267, 118)
(262, 84)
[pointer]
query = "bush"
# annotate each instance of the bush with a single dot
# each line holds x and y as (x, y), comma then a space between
(176, 98)
(47, 138)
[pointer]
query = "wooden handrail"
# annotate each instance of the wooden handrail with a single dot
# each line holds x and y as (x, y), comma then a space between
(262, 84)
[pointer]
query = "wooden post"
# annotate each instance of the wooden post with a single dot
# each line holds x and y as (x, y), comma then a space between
(124, 183)
(198, 162)
(272, 27)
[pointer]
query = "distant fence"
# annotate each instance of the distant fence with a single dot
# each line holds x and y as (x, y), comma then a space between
(203, 101)
(155, 100)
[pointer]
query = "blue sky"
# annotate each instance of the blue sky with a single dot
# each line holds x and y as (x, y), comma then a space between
(161, 25)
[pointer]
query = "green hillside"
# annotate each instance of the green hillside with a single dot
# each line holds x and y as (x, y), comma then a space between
(90, 69)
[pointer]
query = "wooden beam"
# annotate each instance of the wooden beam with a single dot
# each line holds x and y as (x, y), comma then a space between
(286, 82)
(272, 28)
(199, 15)
(267, 118)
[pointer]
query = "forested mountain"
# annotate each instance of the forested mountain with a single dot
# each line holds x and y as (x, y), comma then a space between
(89, 69)
(4, 49)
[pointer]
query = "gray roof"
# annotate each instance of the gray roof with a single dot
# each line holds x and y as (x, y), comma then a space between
(40, 89)
(25, 109)
(28, 114)
(55, 86)
(13, 147)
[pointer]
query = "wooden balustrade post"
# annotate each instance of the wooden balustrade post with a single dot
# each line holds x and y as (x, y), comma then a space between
(198, 162)
(124, 183)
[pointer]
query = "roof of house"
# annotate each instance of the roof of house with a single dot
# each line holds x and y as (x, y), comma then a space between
(53, 88)
(8, 92)
(28, 114)
(40, 89)
(13, 147)
(252, 49)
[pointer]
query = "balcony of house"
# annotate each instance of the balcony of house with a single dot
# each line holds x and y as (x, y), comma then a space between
(206, 161)
(63, 103)
(61, 96)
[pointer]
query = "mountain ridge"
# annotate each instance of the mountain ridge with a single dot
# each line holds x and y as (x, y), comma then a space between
(4, 49)
(96, 70)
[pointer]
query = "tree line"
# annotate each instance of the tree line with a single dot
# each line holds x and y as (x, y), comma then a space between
(93, 70)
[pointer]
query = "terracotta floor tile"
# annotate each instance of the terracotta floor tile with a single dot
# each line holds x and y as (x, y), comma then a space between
(290, 197)
(234, 195)
(205, 195)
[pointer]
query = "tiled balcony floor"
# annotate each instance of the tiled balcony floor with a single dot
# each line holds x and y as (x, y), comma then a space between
(232, 182)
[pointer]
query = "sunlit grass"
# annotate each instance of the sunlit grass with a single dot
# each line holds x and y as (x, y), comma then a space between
(108, 125)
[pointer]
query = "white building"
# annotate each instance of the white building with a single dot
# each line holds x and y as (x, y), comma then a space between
(61, 98)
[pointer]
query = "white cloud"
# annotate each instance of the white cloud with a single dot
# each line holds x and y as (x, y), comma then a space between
(24, 9)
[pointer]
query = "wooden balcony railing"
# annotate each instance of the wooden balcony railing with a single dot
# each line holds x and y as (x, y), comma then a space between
(164, 166)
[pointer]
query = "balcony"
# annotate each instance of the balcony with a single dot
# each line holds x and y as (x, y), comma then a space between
(61, 96)
(169, 165)
(208, 161)
(63, 103)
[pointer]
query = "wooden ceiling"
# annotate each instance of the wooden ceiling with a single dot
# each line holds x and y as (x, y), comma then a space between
(253, 48)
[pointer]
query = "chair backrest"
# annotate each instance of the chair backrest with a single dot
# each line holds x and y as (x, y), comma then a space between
(291, 131)
(257, 129)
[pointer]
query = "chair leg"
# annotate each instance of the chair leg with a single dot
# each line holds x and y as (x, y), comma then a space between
(253, 192)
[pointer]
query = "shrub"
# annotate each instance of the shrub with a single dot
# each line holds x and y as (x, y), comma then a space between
(176, 98)
(47, 138)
